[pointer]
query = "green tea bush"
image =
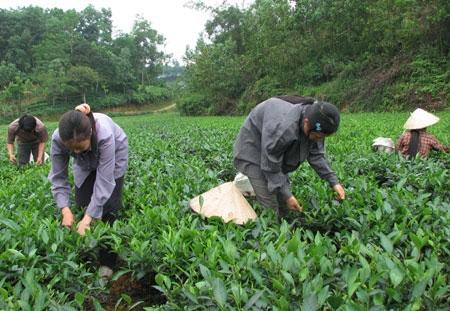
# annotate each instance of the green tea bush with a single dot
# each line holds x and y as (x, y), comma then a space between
(386, 247)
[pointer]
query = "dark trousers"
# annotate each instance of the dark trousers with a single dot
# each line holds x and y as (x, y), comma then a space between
(83, 197)
(24, 151)
(267, 199)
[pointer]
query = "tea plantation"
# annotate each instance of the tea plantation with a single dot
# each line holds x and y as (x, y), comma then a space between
(386, 247)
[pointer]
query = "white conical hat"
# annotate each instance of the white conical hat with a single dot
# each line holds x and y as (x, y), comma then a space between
(225, 201)
(420, 119)
(382, 141)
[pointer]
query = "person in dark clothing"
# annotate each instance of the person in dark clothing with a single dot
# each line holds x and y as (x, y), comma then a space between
(278, 135)
(31, 136)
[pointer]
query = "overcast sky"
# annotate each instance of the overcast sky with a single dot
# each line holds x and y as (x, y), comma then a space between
(179, 25)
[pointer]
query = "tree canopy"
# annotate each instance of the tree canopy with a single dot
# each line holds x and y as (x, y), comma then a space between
(359, 54)
(68, 55)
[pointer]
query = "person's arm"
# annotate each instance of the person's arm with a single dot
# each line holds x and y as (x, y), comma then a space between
(12, 129)
(10, 148)
(40, 158)
(322, 167)
(320, 163)
(43, 137)
(400, 143)
(58, 175)
(436, 145)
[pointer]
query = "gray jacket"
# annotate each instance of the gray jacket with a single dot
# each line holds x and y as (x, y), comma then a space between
(271, 143)
(110, 163)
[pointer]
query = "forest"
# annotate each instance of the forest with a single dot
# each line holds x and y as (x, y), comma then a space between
(361, 55)
(51, 59)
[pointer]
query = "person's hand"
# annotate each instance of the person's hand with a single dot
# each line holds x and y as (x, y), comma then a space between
(68, 218)
(39, 161)
(12, 158)
(293, 204)
(85, 224)
(340, 192)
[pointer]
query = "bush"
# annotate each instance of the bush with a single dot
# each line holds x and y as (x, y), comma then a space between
(194, 104)
(150, 94)
(260, 91)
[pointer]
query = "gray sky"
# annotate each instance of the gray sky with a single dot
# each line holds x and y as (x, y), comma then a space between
(179, 25)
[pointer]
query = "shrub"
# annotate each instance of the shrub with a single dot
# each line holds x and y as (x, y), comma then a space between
(193, 104)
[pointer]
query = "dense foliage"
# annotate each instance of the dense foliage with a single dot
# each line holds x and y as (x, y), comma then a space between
(362, 55)
(51, 59)
(386, 247)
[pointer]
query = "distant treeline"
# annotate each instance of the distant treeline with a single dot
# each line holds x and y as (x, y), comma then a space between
(363, 55)
(51, 59)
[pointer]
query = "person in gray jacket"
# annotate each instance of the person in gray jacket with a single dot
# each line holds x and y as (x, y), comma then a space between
(278, 135)
(99, 148)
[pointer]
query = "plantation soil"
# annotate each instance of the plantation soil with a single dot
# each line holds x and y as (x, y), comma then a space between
(141, 290)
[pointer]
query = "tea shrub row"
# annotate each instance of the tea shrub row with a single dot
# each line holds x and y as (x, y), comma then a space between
(386, 247)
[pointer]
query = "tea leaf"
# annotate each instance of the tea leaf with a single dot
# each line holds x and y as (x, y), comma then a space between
(220, 292)
(310, 303)
(419, 289)
(253, 300)
(126, 298)
(292, 245)
(79, 299)
(396, 276)
(386, 243)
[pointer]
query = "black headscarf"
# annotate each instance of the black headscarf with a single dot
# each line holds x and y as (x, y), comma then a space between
(296, 99)
(323, 117)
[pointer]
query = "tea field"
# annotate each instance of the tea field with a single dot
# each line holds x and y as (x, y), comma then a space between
(386, 247)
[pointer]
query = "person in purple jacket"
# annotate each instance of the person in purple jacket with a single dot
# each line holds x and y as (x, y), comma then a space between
(99, 149)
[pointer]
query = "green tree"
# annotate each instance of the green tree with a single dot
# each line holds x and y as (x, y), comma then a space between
(54, 81)
(82, 79)
(59, 37)
(147, 59)
(26, 29)
(8, 72)
(123, 70)
(215, 71)
(96, 26)
(16, 92)
(226, 23)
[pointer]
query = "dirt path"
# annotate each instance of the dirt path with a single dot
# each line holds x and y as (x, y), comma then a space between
(165, 108)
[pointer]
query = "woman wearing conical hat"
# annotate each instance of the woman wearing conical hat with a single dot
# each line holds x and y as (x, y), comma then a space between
(417, 140)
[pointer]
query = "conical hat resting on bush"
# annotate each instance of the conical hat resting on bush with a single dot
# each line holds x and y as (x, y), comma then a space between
(225, 201)
(383, 144)
(420, 119)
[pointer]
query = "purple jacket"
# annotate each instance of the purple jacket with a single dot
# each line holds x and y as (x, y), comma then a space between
(110, 162)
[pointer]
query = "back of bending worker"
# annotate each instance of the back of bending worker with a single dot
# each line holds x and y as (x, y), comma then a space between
(279, 135)
(31, 136)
